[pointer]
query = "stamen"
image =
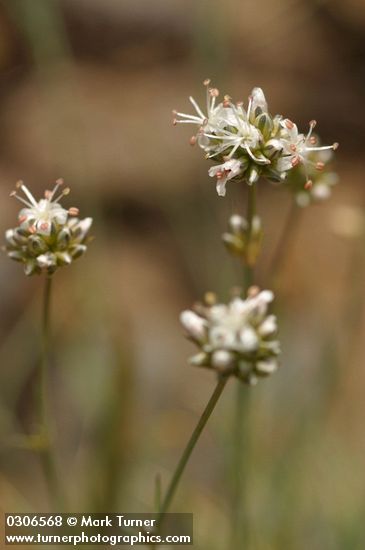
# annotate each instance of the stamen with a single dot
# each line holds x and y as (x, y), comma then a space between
(64, 192)
(213, 92)
(48, 194)
(176, 121)
(324, 148)
(320, 166)
(189, 117)
(32, 229)
(313, 140)
(308, 185)
(196, 107)
(192, 140)
(44, 226)
(22, 219)
(289, 124)
(206, 82)
(210, 298)
(312, 124)
(20, 185)
(335, 146)
(253, 291)
(295, 161)
(234, 149)
(14, 194)
(73, 211)
(59, 182)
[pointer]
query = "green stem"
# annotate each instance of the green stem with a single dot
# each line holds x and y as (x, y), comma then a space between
(242, 410)
(250, 214)
(241, 449)
(46, 451)
(189, 449)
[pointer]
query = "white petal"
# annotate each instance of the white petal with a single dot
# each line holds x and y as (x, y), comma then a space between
(266, 296)
(268, 326)
(283, 164)
(213, 170)
(222, 358)
(249, 339)
(194, 324)
(268, 366)
(46, 260)
(221, 187)
(237, 223)
(84, 226)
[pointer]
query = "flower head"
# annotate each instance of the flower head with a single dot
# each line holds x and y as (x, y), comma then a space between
(249, 143)
(238, 338)
(48, 235)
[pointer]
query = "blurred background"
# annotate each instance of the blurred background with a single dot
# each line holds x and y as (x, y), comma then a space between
(86, 93)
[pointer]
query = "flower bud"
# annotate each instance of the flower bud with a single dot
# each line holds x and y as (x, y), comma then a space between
(194, 325)
(268, 326)
(265, 124)
(200, 360)
(237, 224)
(47, 260)
(222, 360)
(249, 339)
(267, 367)
(36, 245)
(63, 238)
(234, 244)
(273, 148)
(63, 258)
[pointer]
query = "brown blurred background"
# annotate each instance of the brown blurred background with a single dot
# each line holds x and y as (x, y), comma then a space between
(86, 93)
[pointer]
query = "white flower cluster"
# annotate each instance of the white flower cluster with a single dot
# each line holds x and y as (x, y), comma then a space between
(46, 238)
(248, 144)
(238, 338)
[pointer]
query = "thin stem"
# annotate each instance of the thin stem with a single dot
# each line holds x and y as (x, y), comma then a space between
(285, 240)
(250, 214)
(242, 409)
(189, 449)
(46, 451)
(241, 442)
